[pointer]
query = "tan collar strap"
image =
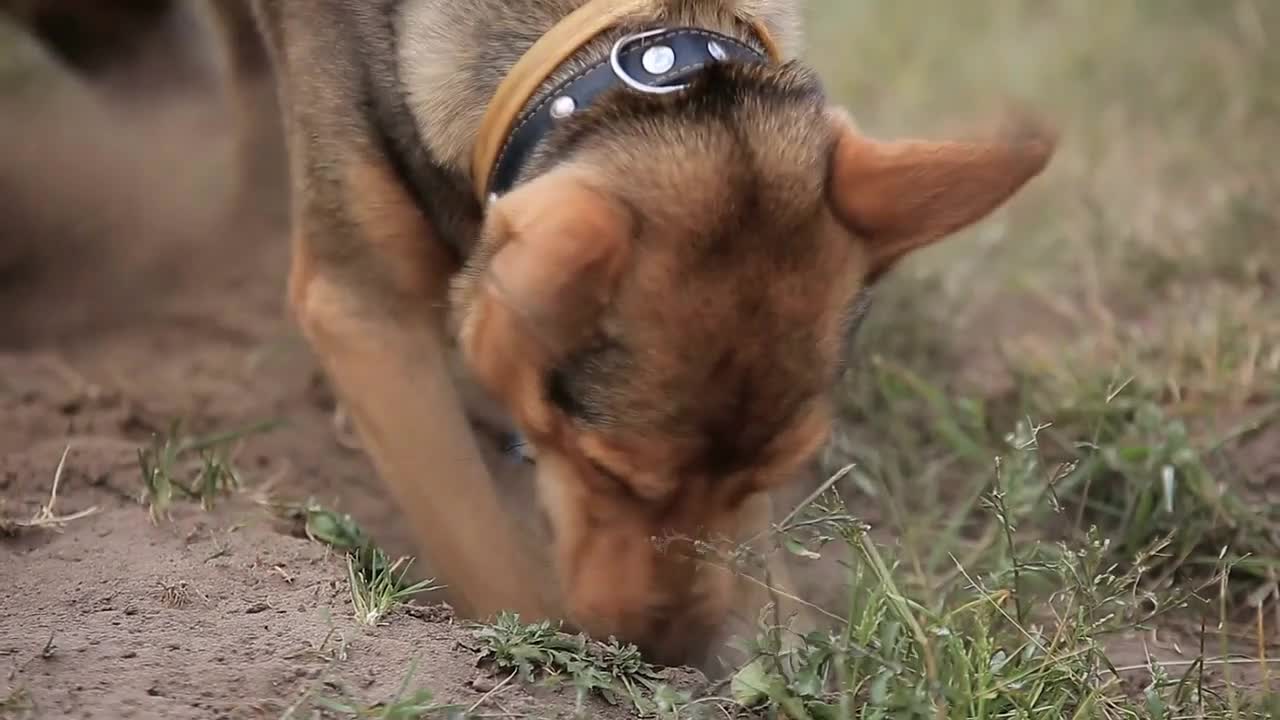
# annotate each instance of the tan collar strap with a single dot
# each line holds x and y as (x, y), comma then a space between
(548, 53)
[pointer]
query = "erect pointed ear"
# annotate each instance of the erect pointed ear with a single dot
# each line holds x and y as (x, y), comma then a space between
(903, 195)
(551, 254)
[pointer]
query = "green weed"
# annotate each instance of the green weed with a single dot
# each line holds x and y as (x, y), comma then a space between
(377, 585)
(613, 671)
(197, 468)
(1023, 634)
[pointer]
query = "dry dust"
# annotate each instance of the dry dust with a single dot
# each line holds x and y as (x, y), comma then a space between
(136, 288)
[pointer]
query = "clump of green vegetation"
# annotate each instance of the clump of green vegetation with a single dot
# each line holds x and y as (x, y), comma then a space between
(323, 525)
(193, 468)
(378, 585)
(1024, 633)
(1118, 457)
(542, 652)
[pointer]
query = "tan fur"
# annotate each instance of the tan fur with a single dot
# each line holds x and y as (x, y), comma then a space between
(660, 306)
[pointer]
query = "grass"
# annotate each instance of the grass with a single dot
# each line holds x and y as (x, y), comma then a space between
(544, 653)
(378, 585)
(1024, 634)
(324, 525)
(169, 470)
(1128, 295)
(196, 468)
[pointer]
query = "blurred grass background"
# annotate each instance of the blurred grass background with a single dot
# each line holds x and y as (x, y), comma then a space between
(1099, 362)
(1128, 297)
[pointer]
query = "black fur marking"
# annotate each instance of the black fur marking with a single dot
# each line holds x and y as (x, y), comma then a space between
(574, 385)
(443, 196)
(560, 395)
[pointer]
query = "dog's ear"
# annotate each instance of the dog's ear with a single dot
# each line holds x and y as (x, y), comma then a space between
(903, 195)
(560, 248)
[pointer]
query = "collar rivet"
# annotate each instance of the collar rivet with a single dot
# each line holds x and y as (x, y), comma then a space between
(563, 107)
(717, 50)
(658, 59)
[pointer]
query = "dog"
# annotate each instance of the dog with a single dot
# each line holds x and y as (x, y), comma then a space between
(643, 228)
(638, 231)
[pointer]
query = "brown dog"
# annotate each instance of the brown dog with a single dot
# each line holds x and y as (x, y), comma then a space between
(657, 289)
(643, 228)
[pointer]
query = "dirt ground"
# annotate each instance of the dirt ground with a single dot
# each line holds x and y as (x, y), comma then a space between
(135, 291)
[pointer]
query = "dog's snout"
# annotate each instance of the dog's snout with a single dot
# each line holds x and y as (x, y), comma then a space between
(670, 635)
(679, 640)
(675, 628)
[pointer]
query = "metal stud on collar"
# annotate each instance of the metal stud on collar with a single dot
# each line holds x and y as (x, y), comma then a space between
(563, 107)
(656, 59)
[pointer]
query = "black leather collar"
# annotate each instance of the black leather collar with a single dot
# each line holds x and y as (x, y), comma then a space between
(691, 50)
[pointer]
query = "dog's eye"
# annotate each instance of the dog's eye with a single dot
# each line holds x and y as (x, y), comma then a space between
(560, 395)
(614, 479)
(606, 473)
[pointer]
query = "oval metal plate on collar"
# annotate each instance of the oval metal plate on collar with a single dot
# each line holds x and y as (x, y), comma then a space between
(615, 62)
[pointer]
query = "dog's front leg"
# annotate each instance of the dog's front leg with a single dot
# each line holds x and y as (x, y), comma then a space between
(386, 359)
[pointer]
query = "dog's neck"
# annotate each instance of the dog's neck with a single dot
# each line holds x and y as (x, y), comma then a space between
(453, 56)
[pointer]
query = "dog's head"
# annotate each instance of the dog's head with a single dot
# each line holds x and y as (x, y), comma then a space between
(663, 309)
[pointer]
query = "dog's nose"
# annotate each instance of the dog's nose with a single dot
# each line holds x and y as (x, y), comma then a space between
(679, 636)
(679, 643)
